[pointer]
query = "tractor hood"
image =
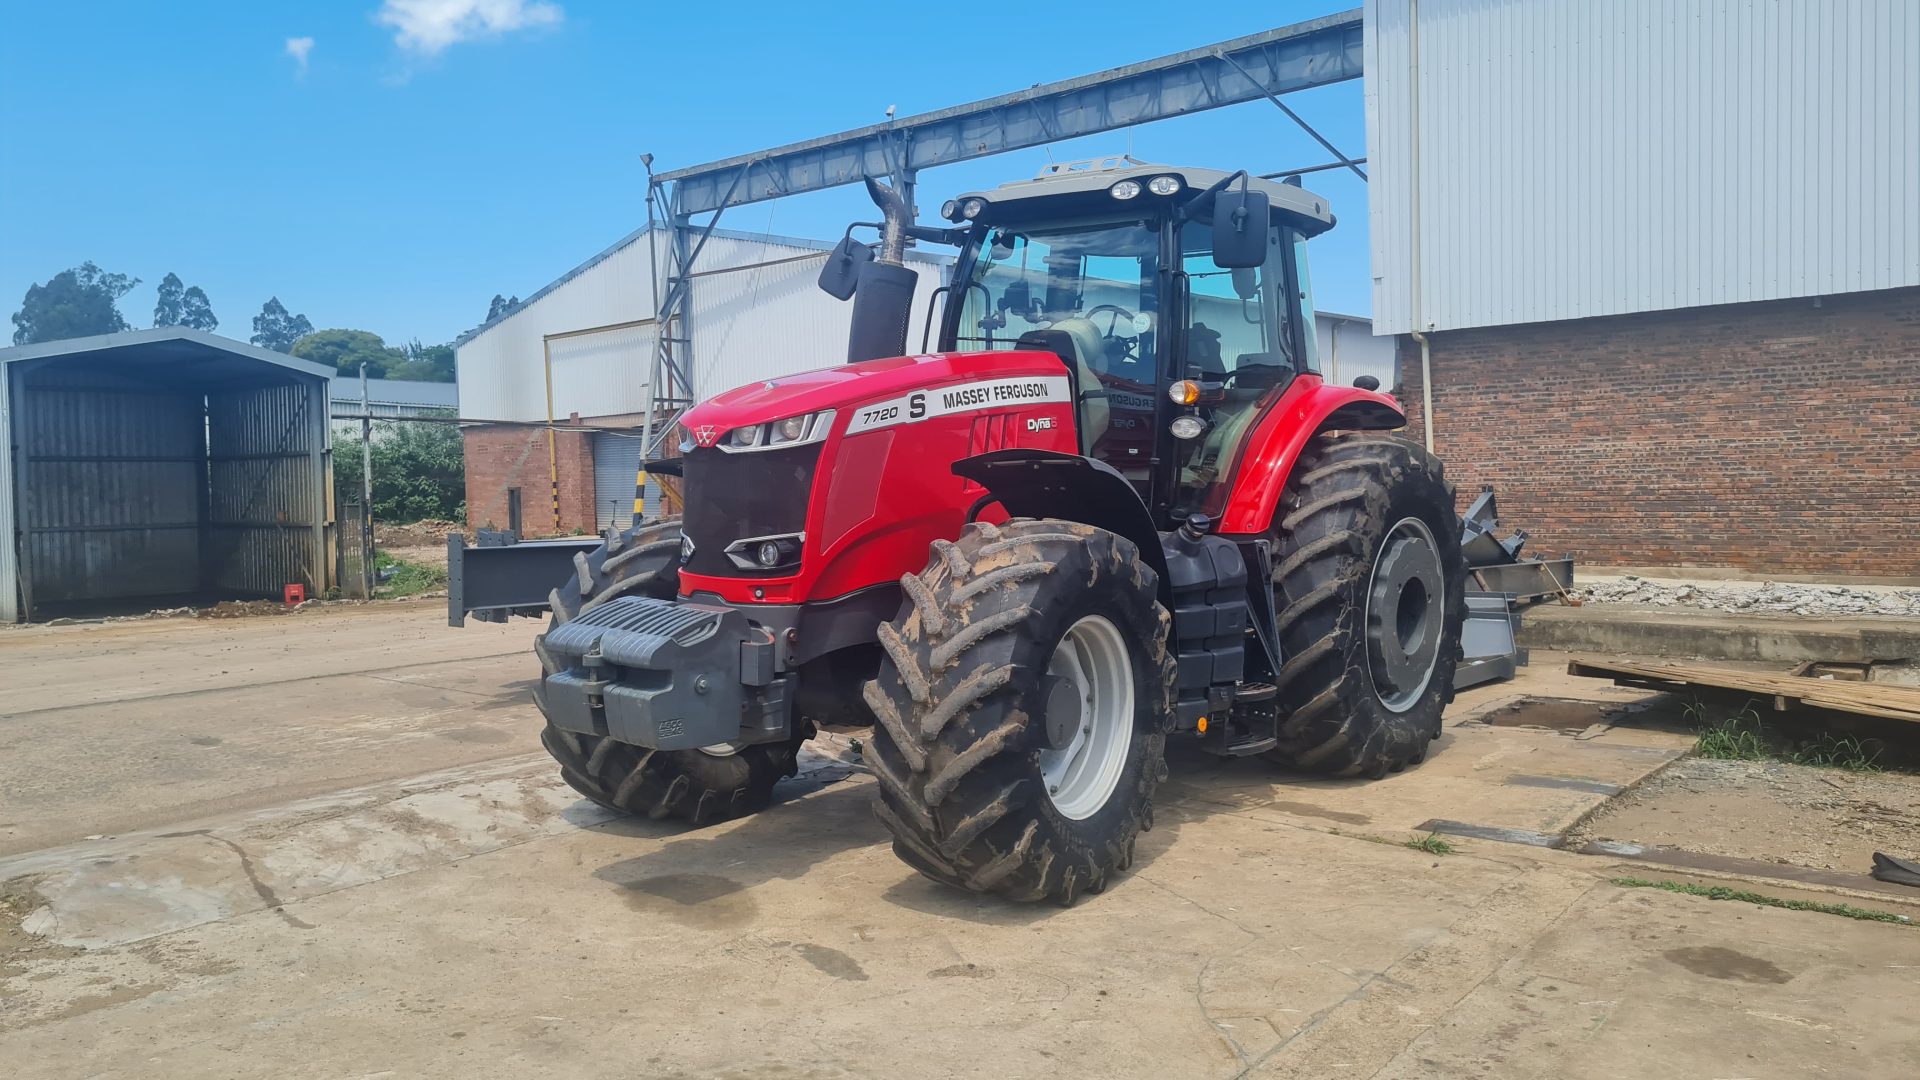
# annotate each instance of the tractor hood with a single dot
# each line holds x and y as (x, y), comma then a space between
(846, 386)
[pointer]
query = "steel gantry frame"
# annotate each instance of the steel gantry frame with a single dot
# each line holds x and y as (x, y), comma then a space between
(1266, 65)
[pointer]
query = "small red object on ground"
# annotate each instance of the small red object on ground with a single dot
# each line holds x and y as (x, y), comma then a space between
(296, 594)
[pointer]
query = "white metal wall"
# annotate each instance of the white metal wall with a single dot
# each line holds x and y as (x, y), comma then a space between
(766, 317)
(501, 371)
(600, 373)
(754, 313)
(1349, 350)
(1536, 160)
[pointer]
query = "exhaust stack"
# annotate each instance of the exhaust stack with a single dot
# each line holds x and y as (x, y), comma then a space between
(883, 300)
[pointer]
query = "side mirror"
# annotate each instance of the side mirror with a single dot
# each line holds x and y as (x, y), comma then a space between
(1245, 285)
(841, 275)
(1240, 229)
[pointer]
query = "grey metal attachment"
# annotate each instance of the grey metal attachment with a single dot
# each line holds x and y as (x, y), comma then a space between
(1496, 565)
(499, 577)
(1489, 640)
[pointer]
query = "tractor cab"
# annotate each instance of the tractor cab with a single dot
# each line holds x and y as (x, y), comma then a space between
(1178, 298)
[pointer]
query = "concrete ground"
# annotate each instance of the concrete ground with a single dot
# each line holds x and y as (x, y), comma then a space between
(326, 845)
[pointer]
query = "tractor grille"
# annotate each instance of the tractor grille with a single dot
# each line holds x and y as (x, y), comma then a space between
(735, 496)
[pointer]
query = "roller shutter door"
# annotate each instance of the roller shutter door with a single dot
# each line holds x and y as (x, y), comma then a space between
(616, 461)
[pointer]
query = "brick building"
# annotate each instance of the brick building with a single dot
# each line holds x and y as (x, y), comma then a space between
(1662, 271)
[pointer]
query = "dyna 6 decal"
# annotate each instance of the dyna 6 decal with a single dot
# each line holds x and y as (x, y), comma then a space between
(962, 397)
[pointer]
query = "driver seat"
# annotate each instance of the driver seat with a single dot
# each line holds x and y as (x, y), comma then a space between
(1074, 340)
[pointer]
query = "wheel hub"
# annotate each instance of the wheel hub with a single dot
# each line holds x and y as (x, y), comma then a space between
(1089, 717)
(1405, 598)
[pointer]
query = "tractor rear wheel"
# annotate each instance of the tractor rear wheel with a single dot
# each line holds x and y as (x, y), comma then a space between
(1371, 592)
(1021, 710)
(705, 785)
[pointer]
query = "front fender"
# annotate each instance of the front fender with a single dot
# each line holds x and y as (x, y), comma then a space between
(1051, 484)
(1308, 407)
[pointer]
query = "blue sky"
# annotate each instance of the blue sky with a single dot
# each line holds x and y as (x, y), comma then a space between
(391, 164)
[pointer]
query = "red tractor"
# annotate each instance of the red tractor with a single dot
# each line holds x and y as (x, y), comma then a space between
(1116, 505)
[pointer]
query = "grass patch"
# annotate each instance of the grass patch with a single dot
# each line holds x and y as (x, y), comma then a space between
(403, 578)
(1431, 844)
(1742, 736)
(1722, 892)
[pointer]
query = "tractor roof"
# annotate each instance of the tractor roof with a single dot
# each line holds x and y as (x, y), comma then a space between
(1099, 174)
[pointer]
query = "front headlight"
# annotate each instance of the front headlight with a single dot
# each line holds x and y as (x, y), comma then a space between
(791, 431)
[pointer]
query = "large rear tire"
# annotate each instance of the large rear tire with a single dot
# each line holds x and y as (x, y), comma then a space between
(698, 785)
(1021, 710)
(1371, 590)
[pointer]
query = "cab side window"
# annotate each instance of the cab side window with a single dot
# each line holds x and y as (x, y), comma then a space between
(1236, 318)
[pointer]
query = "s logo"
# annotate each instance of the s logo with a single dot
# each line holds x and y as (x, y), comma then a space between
(916, 406)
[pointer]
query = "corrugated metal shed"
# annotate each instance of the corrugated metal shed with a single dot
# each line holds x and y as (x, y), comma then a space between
(159, 463)
(754, 313)
(1538, 160)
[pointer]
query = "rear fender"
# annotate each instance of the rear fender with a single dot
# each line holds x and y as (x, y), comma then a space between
(1051, 484)
(1308, 407)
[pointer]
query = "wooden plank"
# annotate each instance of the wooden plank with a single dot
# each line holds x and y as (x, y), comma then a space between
(1866, 699)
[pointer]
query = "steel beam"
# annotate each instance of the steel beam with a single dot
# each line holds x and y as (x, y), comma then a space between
(1263, 65)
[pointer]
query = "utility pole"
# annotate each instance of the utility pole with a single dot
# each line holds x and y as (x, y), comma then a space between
(366, 485)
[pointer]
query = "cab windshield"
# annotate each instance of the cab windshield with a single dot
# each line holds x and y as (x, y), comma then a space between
(1097, 283)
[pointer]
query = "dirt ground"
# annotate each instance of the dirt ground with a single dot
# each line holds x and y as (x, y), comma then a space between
(329, 846)
(423, 543)
(1828, 819)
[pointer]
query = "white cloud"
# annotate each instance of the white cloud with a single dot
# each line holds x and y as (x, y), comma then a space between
(428, 27)
(298, 48)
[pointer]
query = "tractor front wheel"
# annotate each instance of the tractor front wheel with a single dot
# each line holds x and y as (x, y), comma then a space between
(1021, 710)
(1371, 592)
(710, 784)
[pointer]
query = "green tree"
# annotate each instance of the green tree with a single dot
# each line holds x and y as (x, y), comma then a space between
(501, 305)
(196, 311)
(178, 305)
(418, 472)
(274, 329)
(346, 350)
(167, 300)
(425, 363)
(74, 303)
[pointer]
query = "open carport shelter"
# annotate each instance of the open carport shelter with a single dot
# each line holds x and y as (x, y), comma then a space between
(156, 468)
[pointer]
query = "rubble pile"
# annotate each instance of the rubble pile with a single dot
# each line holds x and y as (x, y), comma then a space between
(1784, 598)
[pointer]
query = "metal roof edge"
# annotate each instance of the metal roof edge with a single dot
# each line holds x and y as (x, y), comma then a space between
(806, 243)
(125, 338)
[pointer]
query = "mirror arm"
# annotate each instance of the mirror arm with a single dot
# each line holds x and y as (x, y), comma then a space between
(1186, 213)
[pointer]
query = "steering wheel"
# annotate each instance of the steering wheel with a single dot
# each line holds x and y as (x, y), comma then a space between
(1130, 346)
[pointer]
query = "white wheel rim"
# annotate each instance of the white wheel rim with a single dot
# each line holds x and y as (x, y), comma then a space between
(1081, 776)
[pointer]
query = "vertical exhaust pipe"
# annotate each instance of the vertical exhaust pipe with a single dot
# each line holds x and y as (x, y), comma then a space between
(883, 299)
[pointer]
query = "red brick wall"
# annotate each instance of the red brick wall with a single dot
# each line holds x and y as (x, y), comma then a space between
(1776, 437)
(499, 458)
